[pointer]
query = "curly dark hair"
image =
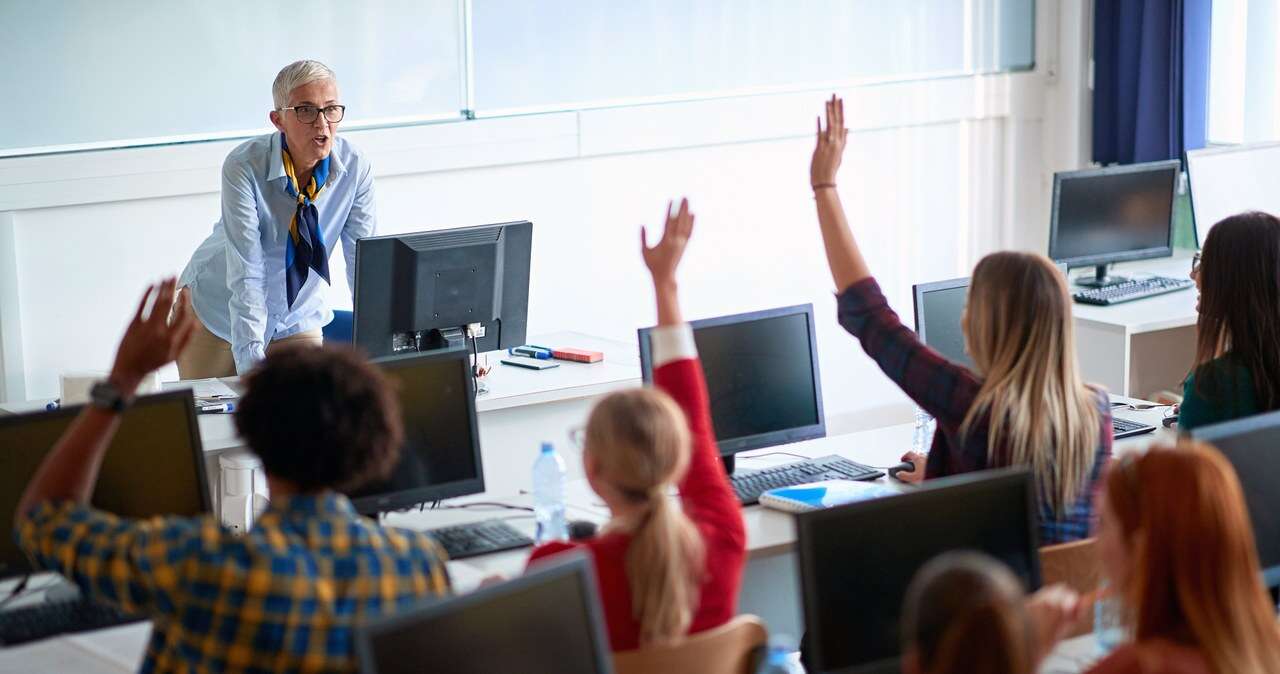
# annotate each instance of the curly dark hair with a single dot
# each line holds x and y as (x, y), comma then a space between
(321, 418)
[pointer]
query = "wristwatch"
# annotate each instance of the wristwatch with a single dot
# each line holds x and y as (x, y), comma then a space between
(105, 396)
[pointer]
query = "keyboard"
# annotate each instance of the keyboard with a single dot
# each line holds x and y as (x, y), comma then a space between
(1133, 289)
(479, 538)
(749, 485)
(1123, 428)
(51, 618)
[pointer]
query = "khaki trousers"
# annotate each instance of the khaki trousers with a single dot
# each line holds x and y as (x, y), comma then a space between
(208, 355)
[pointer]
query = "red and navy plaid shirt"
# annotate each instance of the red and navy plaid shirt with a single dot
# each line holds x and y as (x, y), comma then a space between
(947, 391)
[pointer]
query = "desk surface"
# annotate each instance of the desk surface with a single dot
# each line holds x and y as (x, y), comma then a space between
(1173, 310)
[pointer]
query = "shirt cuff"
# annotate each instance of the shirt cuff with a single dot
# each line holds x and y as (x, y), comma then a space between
(670, 343)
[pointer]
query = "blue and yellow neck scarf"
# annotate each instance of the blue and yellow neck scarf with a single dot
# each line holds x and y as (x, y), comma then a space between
(305, 250)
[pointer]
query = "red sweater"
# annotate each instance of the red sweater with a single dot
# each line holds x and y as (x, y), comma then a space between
(708, 500)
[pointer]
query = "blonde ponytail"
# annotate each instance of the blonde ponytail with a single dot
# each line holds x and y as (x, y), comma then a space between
(639, 438)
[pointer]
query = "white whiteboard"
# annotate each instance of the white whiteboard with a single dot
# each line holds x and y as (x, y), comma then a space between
(1230, 180)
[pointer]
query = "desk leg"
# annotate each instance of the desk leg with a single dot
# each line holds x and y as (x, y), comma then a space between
(1103, 352)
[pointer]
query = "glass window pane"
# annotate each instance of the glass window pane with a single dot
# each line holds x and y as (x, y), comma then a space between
(86, 71)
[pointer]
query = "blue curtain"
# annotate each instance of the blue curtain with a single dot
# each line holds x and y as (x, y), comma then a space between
(1151, 66)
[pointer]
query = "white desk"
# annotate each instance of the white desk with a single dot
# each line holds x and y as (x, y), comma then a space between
(521, 409)
(1143, 346)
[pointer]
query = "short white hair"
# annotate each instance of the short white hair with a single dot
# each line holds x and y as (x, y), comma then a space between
(295, 75)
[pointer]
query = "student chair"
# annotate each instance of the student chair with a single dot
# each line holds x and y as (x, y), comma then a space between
(1077, 566)
(341, 328)
(736, 647)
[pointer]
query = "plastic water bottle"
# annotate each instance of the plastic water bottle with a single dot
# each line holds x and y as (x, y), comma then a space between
(781, 657)
(1108, 624)
(922, 439)
(548, 496)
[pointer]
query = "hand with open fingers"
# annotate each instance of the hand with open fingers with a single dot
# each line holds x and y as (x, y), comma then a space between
(830, 146)
(664, 257)
(152, 340)
(916, 475)
(1054, 611)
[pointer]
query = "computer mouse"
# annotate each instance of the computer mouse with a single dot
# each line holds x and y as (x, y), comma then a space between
(581, 530)
(904, 467)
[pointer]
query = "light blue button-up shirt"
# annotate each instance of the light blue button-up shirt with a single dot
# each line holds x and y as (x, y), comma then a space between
(237, 276)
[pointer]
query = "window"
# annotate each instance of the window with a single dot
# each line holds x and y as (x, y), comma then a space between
(1244, 56)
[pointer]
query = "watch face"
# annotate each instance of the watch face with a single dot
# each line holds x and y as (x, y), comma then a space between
(105, 396)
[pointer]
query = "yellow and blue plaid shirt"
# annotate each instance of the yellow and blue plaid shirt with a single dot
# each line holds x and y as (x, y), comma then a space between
(287, 596)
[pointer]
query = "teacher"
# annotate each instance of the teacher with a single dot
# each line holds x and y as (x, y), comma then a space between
(259, 281)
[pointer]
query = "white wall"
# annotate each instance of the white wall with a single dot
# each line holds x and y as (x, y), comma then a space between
(937, 174)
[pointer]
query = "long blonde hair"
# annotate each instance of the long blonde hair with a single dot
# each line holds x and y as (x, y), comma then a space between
(641, 443)
(1040, 413)
(1194, 565)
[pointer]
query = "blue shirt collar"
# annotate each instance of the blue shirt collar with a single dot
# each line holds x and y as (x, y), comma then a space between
(310, 506)
(275, 171)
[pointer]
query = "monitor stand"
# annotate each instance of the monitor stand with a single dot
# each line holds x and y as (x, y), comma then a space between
(1100, 278)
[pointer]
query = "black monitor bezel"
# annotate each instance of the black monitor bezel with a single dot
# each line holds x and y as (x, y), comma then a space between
(372, 504)
(186, 396)
(869, 510)
(575, 564)
(919, 290)
(1116, 256)
(1214, 432)
(506, 339)
(750, 442)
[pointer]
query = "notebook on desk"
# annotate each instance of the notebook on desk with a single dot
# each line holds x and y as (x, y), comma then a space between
(819, 495)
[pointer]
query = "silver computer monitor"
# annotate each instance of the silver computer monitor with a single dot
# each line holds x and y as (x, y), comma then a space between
(938, 307)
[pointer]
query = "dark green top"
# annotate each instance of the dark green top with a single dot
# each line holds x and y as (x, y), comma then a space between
(1231, 397)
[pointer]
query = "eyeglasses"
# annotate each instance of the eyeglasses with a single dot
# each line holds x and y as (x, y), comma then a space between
(307, 114)
(1195, 263)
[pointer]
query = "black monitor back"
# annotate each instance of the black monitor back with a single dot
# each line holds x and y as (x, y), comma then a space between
(856, 561)
(440, 457)
(938, 307)
(442, 280)
(1252, 445)
(154, 466)
(546, 621)
(762, 376)
(1113, 214)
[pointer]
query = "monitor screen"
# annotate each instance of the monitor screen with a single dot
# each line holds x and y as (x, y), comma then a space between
(856, 561)
(762, 376)
(440, 457)
(546, 621)
(938, 310)
(154, 466)
(1113, 214)
(1252, 445)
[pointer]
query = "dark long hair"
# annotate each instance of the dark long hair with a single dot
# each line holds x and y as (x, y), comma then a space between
(1240, 306)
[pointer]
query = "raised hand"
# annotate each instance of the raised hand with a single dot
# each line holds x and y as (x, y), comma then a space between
(663, 258)
(151, 340)
(830, 146)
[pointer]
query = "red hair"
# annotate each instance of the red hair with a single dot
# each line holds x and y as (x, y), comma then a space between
(1195, 575)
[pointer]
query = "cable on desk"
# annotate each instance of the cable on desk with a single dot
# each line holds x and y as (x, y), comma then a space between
(485, 504)
(764, 454)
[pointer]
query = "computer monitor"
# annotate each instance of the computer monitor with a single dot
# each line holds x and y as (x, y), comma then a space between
(546, 621)
(938, 307)
(856, 561)
(762, 377)
(419, 292)
(1252, 445)
(440, 457)
(154, 466)
(1112, 214)
(1228, 180)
